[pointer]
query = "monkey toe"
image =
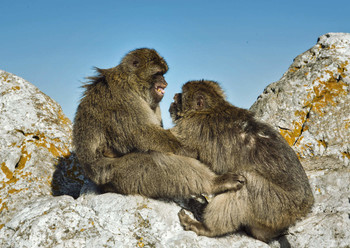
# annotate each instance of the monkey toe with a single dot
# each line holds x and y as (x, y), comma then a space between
(182, 216)
(185, 220)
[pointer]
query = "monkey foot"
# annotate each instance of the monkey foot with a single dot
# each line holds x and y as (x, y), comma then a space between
(190, 224)
(185, 220)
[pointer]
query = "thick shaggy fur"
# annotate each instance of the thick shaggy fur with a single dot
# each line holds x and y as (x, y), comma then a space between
(119, 139)
(229, 139)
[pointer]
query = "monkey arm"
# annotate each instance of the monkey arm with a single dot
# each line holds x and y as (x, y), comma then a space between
(186, 150)
(154, 138)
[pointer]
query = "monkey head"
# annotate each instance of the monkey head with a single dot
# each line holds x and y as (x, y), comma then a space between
(146, 67)
(196, 97)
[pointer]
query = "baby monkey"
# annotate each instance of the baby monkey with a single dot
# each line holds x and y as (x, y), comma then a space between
(276, 192)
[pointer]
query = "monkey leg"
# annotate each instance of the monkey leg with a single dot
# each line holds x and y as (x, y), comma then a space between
(223, 215)
(227, 213)
(157, 175)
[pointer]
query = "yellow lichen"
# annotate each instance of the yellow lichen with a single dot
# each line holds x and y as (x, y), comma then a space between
(293, 135)
(5, 77)
(8, 173)
(325, 91)
(294, 69)
(347, 123)
(3, 206)
(345, 155)
(12, 191)
(16, 88)
(63, 118)
(40, 140)
(140, 242)
(342, 69)
(24, 158)
(321, 143)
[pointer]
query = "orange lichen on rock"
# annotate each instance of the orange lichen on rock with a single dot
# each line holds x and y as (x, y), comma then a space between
(40, 140)
(55, 151)
(3, 206)
(346, 155)
(63, 118)
(322, 93)
(322, 143)
(293, 136)
(16, 88)
(294, 69)
(8, 173)
(347, 123)
(5, 77)
(342, 68)
(24, 158)
(325, 93)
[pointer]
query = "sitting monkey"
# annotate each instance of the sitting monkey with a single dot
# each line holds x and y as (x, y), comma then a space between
(119, 139)
(276, 192)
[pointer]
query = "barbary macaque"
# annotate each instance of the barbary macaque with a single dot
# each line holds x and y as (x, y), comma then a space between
(276, 192)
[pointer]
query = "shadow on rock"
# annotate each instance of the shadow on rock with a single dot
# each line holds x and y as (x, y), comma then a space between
(68, 177)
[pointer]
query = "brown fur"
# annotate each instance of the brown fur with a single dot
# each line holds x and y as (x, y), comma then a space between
(229, 139)
(119, 139)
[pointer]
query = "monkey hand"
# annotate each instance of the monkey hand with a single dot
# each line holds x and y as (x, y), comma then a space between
(228, 182)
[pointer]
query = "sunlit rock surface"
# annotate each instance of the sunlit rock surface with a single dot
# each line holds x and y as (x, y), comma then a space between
(310, 104)
(33, 133)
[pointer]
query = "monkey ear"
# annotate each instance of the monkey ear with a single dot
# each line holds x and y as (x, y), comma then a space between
(199, 102)
(134, 61)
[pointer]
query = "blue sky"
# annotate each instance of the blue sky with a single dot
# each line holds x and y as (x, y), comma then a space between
(244, 45)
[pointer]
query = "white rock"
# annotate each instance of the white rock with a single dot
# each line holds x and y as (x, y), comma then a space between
(108, 220)
(33, 133)
(310, 104)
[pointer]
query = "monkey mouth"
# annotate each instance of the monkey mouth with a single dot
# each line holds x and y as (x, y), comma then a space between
(160, 90)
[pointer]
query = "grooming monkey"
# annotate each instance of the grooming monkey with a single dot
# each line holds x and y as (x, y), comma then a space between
(276, 192)
(119, 139)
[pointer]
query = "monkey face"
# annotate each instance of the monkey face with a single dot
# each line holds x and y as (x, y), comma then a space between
(176, 107)
(189, 101)
(202, 97)
(148, 67)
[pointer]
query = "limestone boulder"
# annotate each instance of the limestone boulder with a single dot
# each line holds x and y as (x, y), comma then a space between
(310, 104)
(34, 135)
